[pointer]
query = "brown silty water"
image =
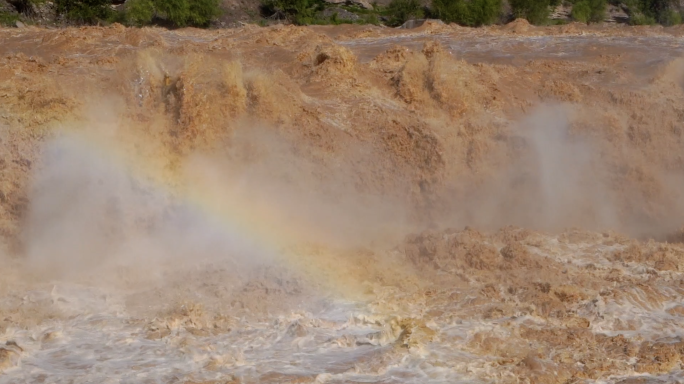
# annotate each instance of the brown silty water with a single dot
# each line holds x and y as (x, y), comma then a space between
(344, 204)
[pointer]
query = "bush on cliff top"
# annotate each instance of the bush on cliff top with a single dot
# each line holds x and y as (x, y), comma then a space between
(302, 12)
(400, 11)
(471, 13)
(85, 11)
(179, 13)
(589, 11)
(535, 11)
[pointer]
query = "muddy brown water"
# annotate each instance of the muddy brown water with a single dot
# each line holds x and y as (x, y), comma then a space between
(342, 205)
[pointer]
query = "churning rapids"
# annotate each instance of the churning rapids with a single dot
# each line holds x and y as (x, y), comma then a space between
(346, 204)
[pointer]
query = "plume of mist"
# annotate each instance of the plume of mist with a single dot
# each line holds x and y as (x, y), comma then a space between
(314, 201)
(88, 214)
(558, 182)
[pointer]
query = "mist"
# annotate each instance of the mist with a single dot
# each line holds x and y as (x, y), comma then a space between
(265, 179)
(95, 217)
(558, 181)
(90, 216)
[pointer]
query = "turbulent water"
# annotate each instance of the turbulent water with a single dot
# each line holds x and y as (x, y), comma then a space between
(344, 204)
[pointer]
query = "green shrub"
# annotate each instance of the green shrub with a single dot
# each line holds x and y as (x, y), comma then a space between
(179, 13)
(85, 11)
(400, 11)
(182, 13)
(335, 20)
(139, 12)
(467, 12)
(641, 19)
(8, 19)
(300, 12)
(535, 11)
(371, 19)
(598, 10)
(202, 12)
(665, 12)
(586, 11)
(670, 17)
(581, 11)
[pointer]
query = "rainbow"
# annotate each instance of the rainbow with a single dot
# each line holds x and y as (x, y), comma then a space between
(252, 217)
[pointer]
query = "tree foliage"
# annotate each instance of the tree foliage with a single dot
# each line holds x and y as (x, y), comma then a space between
(7, 18)
(301, 12)
(648, 12)
(85, 11)
(664, 12)
(188, 12)
(400, 11)
(139, 12)
(535, 11)
(180, 13)
(671, 17)
(589, 11)
(581, 11)
(467, 12)
(200, 13)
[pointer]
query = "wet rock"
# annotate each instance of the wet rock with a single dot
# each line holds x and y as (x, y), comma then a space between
(614, 13)
(362, 4)
(561, 12)
(617, 14)
(44, 11)
(6, 7)
(358, 3)
(411, 24)
(342, 14)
